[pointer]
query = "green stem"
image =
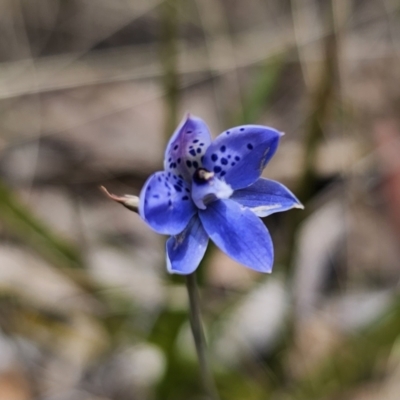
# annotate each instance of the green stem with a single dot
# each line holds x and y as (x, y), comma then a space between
(199, 338)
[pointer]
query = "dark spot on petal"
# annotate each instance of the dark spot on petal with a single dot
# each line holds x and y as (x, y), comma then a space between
(169, 159)
(223, 148)
(201, 144)
(237, 158)
(224, 161)
(228, 132)
(170, 203)
(249, 146)
(149, 187)
(229, 157)
(233, 164)
(217, 169)
(222, 173)
(192, 152)
(159, 179)
(214, 157)
(185, 198)
(241, 129)
(187, 190)
(176, 147)
(190, 147)
(198, 150)
(178, 188)
(156, 196)
(189, 132)
(195, 164)
(195, 141)
(188, 163)
(178, 160)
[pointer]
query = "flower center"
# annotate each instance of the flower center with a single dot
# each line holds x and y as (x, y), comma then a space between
(207, 188)
(202, 176)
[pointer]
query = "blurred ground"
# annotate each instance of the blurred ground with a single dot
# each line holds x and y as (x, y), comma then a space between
(88, 94)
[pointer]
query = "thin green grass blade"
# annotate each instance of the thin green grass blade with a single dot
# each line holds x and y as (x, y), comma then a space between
(19, 220)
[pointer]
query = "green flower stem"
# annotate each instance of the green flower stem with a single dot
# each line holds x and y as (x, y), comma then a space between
(199, 338)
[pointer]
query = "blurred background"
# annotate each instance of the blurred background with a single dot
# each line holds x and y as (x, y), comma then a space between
(90, 92)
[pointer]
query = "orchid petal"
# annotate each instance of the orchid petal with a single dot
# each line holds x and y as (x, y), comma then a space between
(265, 197)
(165, 203)
(186, 147)
(240, 154)
(239, 233)
(186, 250)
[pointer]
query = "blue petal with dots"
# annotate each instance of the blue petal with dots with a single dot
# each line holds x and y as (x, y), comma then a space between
(185, 251)
(265, 197)
(239, 233)
(166, 204)
(239, 155)
(186, 147)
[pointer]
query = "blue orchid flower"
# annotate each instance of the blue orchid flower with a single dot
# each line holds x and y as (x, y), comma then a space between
(213, 190)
